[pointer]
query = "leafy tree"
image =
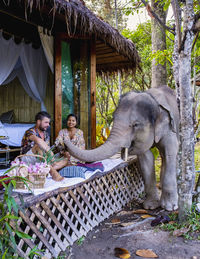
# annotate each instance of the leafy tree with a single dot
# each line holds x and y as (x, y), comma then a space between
(107, 99)
(141, 37)
(105, 9)
(186, 26)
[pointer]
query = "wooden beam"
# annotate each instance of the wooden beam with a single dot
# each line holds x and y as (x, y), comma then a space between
(105, 51)
(93, 93)
(109, 55)
(58, 86)
(65, 36)
(111, 60)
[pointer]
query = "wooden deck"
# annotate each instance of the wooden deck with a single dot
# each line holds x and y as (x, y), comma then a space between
(58, 218)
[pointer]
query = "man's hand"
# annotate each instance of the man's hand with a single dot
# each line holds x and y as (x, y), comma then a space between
(66, 154)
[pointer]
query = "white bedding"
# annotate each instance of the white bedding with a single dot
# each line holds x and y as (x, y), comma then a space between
(50, 184)
(15, 132)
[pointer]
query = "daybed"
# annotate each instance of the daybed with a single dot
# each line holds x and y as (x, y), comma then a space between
(14, 132)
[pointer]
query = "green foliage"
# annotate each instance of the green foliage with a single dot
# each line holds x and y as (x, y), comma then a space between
(155, 152)
(106, 11)
(191, 226)
(50, 157)
(197, 156)
(35, 252)
(107, 92)
(80, 240)
(9, 220)
(141, 37)
(107, 98)
(9, 217)
(161, 56)
(100, 137)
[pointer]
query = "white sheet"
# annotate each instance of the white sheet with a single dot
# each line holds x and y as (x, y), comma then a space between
(50, 184)
(15, 132)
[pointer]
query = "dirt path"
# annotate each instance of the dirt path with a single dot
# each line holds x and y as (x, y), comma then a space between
(130, 231)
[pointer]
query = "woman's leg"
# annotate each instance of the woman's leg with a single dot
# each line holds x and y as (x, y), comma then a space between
(55, 175)
(60, 164)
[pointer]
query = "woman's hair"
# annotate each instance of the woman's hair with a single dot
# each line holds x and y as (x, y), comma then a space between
(72, 115)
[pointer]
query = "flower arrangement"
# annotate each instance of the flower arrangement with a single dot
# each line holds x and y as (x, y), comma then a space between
(20, 168)
(35, 172)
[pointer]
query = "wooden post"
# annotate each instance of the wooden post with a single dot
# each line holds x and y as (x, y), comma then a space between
(93, 93)
(58, 87)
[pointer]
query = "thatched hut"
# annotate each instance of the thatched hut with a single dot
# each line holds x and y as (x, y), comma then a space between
(77, 45)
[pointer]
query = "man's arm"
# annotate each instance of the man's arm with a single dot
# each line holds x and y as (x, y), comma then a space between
(40, 142)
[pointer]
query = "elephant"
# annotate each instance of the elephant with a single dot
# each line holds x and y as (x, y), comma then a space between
(141, 121)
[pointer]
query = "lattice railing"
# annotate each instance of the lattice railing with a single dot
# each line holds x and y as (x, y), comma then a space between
(57, 219)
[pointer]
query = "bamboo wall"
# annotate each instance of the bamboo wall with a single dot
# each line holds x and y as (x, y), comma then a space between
(14, 97)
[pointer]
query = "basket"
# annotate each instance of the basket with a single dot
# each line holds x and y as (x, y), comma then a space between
(37, 180)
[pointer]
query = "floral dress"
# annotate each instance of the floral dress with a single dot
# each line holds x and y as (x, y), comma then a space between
(77, 140)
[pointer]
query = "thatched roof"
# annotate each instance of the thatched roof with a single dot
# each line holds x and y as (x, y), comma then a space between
(113, 50)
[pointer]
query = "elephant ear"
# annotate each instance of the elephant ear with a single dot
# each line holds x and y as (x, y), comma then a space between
(166, 99)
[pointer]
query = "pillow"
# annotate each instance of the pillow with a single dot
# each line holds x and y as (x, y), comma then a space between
(7, 117)
(92, 166)
(73, 171)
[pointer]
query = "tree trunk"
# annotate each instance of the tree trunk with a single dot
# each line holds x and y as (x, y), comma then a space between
(186, 186)
(177, 37)
(159, 72)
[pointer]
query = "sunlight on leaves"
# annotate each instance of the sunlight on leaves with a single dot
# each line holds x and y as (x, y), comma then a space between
(146, 253)
(122, 253)
(146, 216)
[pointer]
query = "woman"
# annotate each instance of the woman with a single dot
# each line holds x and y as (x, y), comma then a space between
(74, 135)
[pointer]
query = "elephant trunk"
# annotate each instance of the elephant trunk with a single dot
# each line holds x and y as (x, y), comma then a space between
(104, 151)
(108, 149)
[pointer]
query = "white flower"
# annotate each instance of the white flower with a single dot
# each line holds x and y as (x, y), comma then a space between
(23, 171)
(12, 172)
(45, 170)
(15, 162)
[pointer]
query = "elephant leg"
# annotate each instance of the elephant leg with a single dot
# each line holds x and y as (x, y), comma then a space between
(169, 197)
(162, 170)
(147, 166)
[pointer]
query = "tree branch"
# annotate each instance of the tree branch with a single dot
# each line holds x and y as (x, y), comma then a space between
(108, 86)
(154, 15)
(176, 11)
(195, 40)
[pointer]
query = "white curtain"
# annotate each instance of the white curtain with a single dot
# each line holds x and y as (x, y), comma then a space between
(47, 44)
(9, 53)
(35, 68)
(28, 64)
(19, 72)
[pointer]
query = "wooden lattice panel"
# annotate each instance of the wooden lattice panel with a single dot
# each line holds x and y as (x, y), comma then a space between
(57, 219)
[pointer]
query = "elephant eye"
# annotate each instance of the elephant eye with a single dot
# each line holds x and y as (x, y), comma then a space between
(135, 125)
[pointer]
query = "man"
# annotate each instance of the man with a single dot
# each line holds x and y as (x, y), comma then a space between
(36, 140)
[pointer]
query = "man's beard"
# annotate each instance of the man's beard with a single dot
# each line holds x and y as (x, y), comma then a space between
(42, 129)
